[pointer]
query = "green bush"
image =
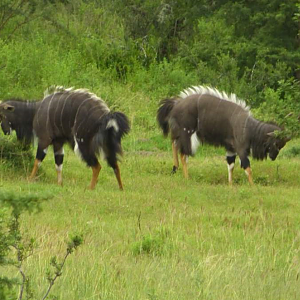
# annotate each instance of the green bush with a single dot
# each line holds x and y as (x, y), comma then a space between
(280, 106)
(293, 151)
(14, 154)
(15, 249)
(154, 244)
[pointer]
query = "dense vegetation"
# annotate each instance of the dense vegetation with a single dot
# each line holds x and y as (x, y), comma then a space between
(163, 237)
(154, 47)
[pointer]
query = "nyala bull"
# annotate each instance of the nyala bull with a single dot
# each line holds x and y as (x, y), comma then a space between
(82, 119)
(205, 115)
(77, 117)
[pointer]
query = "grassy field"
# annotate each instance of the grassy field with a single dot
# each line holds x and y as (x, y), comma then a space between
(165, 237)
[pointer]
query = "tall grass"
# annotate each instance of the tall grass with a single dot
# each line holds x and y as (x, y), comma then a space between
(165, 237)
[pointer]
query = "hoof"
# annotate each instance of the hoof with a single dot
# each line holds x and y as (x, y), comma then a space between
(174, 170)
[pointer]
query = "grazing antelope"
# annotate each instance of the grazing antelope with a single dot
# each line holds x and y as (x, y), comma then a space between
(78, 117)
(205, 115)
(84, 120)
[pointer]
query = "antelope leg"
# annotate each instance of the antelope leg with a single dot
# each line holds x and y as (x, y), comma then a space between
(40, 155)
(36, 165)
(96, 170)
(175, 157)
(118, 176)
(248, 172)
(245, 163)
(59, 174)
(59, 158)
(230, 158)
(184, 165)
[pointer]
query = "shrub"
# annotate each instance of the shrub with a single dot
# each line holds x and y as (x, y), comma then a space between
(281, 106)
(14, 249)
(155, 244)
(13, 153)
(294, 151)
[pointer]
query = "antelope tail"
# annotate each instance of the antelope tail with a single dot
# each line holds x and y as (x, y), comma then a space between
(108, 138)
(163, 114)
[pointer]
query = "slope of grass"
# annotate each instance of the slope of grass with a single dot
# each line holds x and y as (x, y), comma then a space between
(165, 237)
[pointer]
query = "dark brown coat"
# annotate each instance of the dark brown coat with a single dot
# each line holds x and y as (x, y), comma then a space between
(204, 115)
(83, 120)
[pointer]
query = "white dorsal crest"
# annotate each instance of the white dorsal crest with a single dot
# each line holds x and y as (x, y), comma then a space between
(202, 90)
(61, 89)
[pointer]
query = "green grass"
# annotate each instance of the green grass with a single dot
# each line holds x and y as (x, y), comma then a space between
(165, 237)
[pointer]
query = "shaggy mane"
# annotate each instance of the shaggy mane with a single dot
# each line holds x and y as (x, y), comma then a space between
(61, 89)
(201, 90)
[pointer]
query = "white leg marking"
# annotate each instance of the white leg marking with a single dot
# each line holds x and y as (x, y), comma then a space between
(59, 173)
(58, 168)
(230, 167)
(230, 171)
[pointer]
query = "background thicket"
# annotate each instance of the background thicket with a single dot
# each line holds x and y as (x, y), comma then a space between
(155, 48)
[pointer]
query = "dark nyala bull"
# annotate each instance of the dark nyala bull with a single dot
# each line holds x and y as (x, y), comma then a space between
(84, 121)
(21, 120)
(205, 115)
(66, 115)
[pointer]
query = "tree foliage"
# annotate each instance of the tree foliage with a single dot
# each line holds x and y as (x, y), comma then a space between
(245, 47)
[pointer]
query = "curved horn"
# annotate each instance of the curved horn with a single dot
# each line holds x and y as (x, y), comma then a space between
(5, 106)
(271, 134)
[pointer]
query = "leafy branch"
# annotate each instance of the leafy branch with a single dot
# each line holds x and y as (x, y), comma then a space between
(72, 245)
(11, 238)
